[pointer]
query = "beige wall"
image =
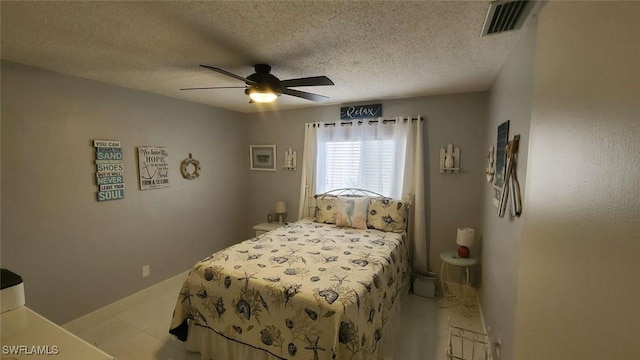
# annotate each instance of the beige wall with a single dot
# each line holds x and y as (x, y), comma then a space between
(578, 282)
(455, 200)
(76, 254)
(510, 99)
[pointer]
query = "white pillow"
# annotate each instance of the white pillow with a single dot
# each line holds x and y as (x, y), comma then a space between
(352, 212)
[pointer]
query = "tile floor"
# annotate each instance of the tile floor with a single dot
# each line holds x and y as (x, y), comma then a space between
(140, 332)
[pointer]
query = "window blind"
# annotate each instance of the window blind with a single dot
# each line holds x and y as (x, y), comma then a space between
(367, 164)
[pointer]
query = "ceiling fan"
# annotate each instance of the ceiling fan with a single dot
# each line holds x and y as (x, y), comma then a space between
(261, 86)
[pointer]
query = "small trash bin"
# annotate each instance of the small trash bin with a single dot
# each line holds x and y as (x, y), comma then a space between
(425, 284)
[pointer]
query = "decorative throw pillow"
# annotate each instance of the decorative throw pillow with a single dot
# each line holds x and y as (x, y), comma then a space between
(352, 212)
(326, 210)
(387, 214)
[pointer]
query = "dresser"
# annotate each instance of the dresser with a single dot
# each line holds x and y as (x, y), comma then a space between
(27, 335)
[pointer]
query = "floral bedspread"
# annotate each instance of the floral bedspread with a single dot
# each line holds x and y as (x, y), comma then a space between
(305, 291)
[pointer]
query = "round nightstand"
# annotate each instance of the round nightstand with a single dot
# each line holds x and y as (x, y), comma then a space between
(452, 258)
(266, 227)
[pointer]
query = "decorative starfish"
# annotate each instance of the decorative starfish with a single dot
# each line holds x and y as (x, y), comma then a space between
(313, 345)
(246, 278)
(187, 296)
(339, 279)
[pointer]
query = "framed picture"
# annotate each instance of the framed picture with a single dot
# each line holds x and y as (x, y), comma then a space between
(263, 157)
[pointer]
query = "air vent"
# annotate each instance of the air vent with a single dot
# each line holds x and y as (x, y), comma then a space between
(505, 15)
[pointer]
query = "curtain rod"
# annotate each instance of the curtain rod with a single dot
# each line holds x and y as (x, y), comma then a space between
(360, 122)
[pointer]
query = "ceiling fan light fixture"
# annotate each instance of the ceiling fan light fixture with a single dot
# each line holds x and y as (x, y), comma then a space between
(262, 87)
(262, 95)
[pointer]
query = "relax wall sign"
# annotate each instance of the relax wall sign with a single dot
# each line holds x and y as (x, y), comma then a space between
(109, 170)
(361, 112)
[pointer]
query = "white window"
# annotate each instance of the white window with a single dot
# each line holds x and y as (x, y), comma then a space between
(364, 164)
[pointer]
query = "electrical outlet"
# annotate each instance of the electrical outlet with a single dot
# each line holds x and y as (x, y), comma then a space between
(146, 271)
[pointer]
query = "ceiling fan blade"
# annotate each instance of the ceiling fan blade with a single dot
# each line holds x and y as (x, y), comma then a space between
(305, 95)
(307, 81)
(225, 72)
(215, 87)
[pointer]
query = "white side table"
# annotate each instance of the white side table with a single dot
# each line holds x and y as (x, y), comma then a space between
(265, 227)
(450, 299)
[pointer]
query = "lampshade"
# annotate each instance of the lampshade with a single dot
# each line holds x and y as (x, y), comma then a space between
(465, 237)
(281, 207)
(262, 95)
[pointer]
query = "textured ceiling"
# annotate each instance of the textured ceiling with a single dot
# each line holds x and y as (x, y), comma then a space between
(371, 50)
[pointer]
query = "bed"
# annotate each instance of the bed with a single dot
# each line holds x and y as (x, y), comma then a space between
(310, 290)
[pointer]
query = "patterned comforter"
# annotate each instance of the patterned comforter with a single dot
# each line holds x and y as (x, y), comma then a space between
(305, 291)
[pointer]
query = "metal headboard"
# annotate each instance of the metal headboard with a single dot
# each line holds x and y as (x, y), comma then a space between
(355, 192)
(351, 192)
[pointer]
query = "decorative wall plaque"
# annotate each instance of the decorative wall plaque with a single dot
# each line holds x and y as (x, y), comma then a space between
(109, 170)
(361, 112)
(153, 165)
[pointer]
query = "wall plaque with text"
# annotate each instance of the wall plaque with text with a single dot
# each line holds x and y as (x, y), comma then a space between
(361, 112)
(153, 165)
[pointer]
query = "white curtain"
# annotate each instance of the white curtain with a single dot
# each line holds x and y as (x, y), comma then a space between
(393, 154)
(308, 183)
(413, 188)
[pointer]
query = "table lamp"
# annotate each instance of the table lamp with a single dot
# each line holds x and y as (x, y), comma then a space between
(465, 241)
(280, 209)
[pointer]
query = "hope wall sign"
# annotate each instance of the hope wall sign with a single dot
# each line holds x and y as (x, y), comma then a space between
(153, 163)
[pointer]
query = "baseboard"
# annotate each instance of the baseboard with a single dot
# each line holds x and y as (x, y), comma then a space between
(123, 304)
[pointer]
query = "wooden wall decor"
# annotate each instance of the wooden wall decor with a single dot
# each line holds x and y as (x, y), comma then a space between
(109, 170)
(361, 112)
(190, 168)
(153, 167)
